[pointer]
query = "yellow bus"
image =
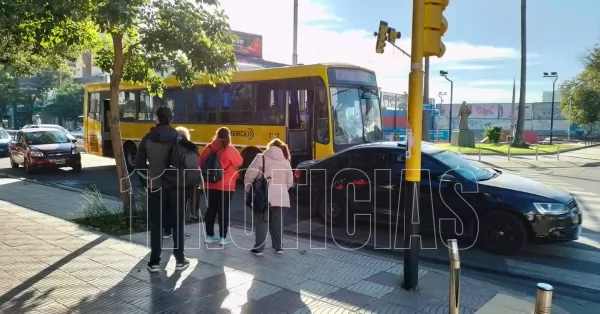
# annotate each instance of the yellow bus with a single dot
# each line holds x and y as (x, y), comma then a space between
(317, 109)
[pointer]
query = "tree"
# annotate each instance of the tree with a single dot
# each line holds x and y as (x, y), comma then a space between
(519, 140)
(581, 98)
(37, 34)
(193, 40)
(68, 101)
(8, 94)
(35, 90)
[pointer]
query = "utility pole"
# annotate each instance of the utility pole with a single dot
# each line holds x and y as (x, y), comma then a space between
(295, 47)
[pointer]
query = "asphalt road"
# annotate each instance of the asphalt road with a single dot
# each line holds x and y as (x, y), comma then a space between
(574, 265)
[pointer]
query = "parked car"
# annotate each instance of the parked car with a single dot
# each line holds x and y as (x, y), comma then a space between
(12, 133)
(4, 141)
(51, 126)
(502, 211)
(44, 148)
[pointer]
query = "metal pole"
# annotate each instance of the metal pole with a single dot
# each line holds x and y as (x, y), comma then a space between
(479, 153)
(543, 299)
(454, 289)
(450, 113)
(569, 131)
(508, 152)
(426, 113)
(558, 152)
(295, 48)
(413, 150)
(537, 147)
(552, 110)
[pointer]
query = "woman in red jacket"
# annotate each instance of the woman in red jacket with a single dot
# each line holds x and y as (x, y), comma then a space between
(220, 193)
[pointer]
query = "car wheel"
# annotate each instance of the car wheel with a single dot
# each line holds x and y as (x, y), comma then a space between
(28, 169)
(502, 233)
(77, 168)
(13, 164)
(332, 213)
(130, 151)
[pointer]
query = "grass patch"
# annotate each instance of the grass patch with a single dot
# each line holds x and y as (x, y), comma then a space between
(112, 219)
(491, 149)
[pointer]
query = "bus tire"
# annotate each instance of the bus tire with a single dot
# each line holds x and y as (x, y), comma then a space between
(248, 156)
(130, 151)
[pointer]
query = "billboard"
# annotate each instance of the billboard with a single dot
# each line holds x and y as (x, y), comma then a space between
(247, 45)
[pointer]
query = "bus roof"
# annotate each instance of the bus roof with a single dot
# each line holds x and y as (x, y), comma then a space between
(292, 71)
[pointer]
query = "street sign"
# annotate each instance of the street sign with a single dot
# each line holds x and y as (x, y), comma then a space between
(431, 107)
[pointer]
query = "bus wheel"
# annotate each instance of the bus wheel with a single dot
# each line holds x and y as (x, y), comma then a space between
(130, 150)
(248, 155)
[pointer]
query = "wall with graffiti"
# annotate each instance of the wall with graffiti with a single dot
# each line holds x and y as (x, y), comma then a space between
(537, 116)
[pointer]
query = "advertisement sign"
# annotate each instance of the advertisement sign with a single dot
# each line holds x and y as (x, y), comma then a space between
(248, 45)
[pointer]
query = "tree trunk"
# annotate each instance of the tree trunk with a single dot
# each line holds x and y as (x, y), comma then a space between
(519, 140)
(115, 131)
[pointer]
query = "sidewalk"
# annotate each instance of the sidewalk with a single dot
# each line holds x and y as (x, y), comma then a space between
(50, 265)
(586, 157)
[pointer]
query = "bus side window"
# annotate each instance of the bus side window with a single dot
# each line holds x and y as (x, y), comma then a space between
(203, 104)
(270, 104)
(321, 116)
(237, 103)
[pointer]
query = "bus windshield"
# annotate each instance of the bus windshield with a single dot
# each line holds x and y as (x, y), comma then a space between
(356, 115)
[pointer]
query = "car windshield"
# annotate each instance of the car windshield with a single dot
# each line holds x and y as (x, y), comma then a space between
(4, 135)
(356, 115)
(47, 137)
(464, 167)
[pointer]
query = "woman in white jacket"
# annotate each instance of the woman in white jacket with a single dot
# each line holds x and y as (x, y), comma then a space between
(278, 171)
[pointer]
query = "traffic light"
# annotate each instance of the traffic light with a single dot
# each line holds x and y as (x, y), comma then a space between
(381, 36)
(435, 27)
(393, 35)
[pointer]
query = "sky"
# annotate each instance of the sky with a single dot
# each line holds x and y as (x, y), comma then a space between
(482, 42)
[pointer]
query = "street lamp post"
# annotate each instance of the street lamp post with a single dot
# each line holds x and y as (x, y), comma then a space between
(553, 75)
(445, 75)
(441, 95)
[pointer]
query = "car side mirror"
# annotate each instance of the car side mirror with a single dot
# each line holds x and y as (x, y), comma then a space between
(447, 178)
(74, 141)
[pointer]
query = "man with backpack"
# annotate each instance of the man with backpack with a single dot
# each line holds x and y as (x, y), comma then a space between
(164, 154)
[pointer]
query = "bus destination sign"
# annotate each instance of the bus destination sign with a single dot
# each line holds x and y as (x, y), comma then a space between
(347, 76)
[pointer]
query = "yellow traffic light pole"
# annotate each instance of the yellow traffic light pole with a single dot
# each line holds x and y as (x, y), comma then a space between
(428, 26)
(413, 149)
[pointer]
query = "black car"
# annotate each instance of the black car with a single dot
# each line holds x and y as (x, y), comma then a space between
(502, 212)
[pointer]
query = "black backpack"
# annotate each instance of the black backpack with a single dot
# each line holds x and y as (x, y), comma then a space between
(258, 196)
(212, 170)
(187, 164)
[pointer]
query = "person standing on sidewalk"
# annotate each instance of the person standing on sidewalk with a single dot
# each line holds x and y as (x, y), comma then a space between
(154, 154)
(278, 170)
(220, 184)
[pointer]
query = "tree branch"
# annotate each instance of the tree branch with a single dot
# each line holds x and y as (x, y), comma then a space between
(129, 52)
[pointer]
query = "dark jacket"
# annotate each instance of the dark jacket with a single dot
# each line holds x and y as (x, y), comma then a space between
(155, 149)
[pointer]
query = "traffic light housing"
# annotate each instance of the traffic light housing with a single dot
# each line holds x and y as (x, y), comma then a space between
(381, 36)
(435, 27)
(393, 35)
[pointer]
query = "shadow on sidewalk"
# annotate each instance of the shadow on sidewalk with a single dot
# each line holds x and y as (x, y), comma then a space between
(24, 299)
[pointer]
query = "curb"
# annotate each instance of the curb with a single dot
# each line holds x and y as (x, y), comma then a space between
(53, 185)
(540, 154)
(573, 290)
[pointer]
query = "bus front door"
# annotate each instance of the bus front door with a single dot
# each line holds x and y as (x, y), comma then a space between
(107, 149)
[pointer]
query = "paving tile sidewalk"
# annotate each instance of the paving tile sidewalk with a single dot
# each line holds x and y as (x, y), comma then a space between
(49, 265)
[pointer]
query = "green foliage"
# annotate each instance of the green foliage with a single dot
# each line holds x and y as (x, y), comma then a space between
(68, 101)
(37, 35)
(112, 219)
(493, 133)
(581, 94)
(190, 40)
